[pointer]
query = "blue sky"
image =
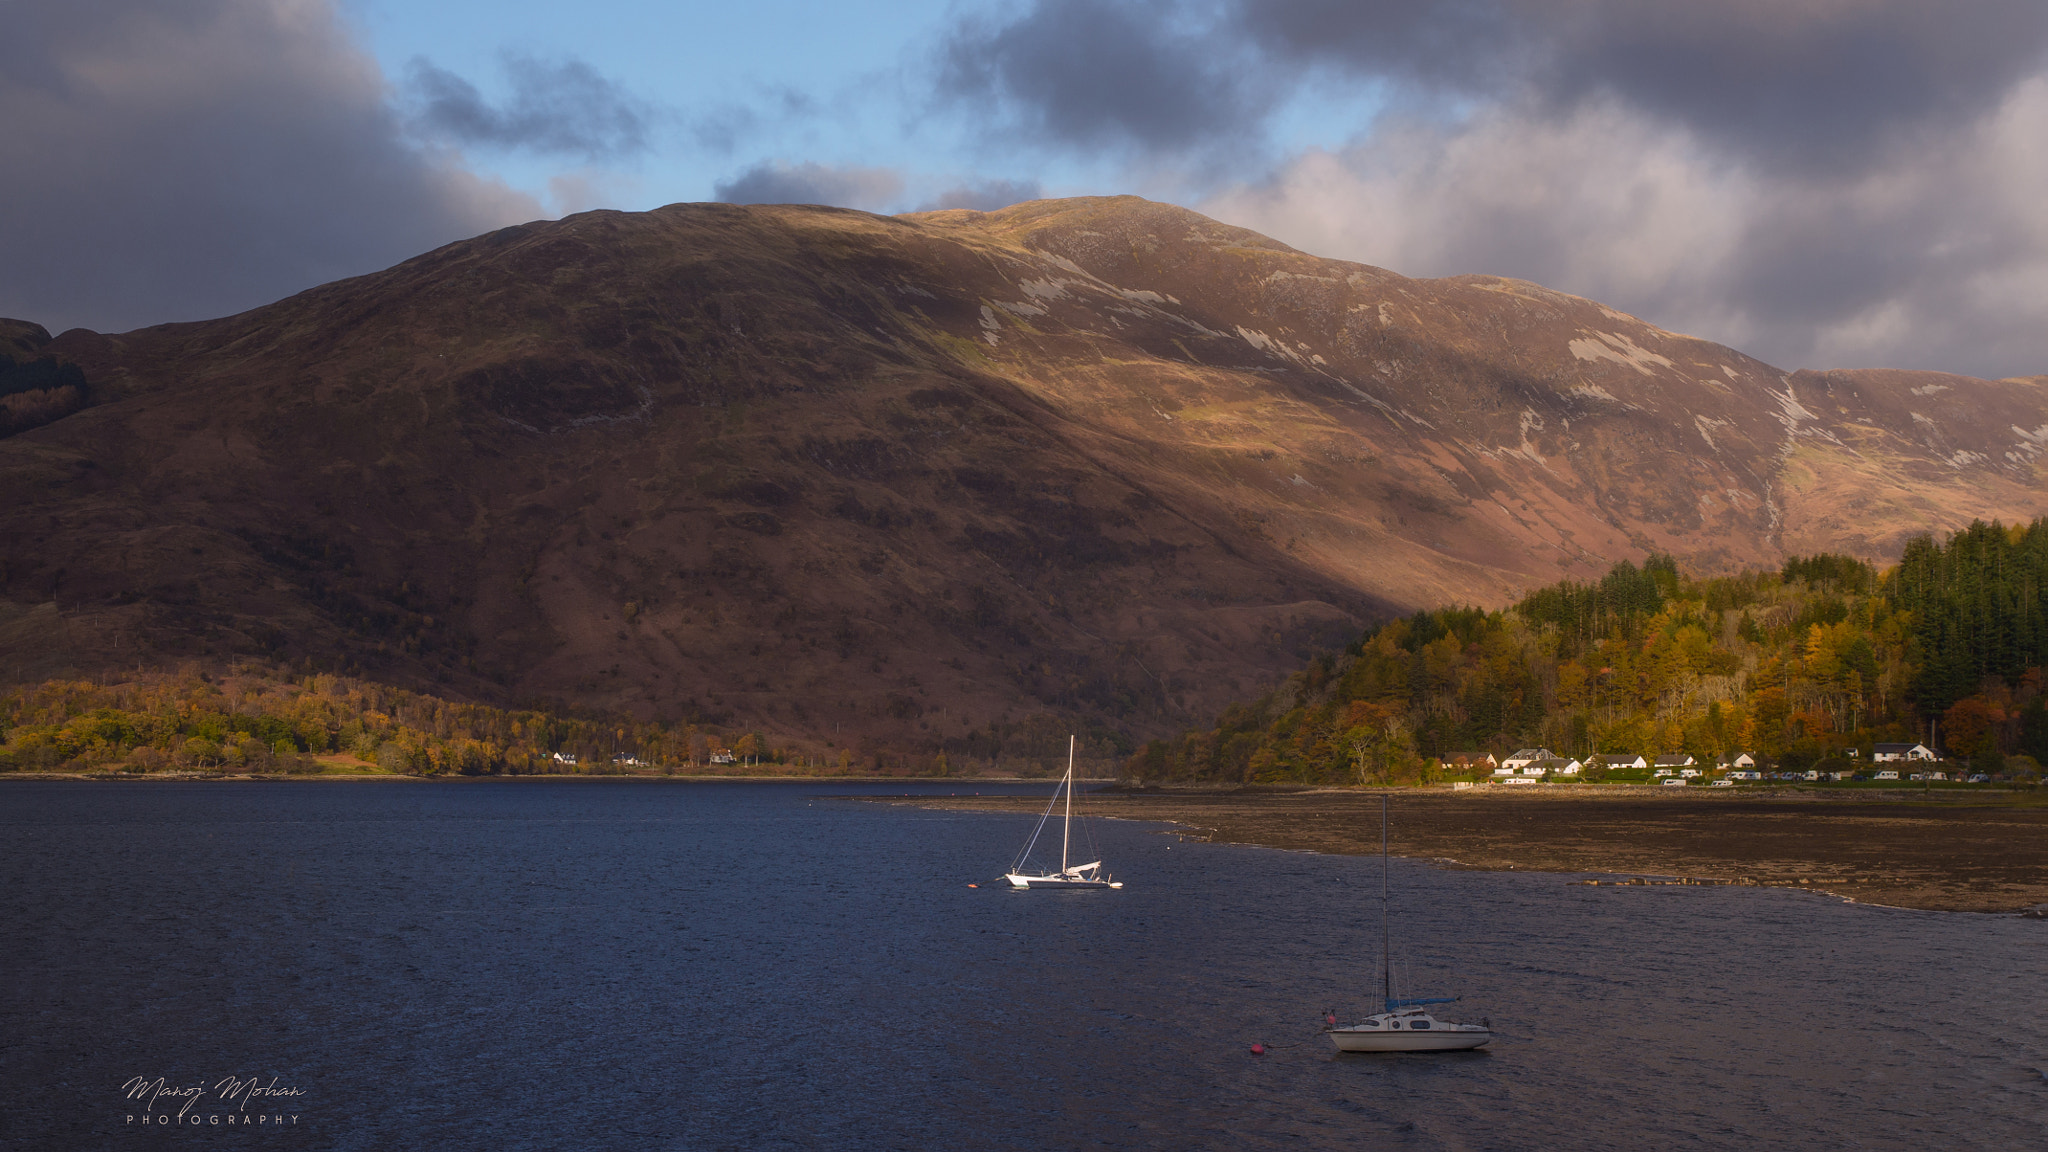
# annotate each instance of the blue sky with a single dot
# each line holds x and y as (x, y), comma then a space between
(695, 62)
(1822, 183)
(727, 87)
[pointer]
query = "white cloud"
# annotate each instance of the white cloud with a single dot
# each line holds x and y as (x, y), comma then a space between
(1933, 255)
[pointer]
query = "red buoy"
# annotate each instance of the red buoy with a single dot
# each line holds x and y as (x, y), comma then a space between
(974, 885)
(1258, 1049)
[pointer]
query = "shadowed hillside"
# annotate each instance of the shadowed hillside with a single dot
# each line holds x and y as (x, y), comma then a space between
(897, 480)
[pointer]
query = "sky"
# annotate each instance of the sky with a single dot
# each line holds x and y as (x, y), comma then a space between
(1821, 183)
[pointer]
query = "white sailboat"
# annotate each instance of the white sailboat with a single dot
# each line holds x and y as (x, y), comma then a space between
(1088, 875)
(1405, 1025)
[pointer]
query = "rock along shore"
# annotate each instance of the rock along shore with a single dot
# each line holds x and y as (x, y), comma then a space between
(1972, 853)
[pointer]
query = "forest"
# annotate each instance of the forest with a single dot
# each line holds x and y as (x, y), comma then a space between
(1811, 663)
(264, 719)
(1796, 666)
(257, 719)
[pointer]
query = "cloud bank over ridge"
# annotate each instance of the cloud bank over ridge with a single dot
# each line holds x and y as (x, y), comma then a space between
(1821, 182)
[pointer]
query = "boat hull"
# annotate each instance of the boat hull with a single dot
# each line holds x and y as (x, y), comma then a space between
(1017, 881)
(1392, 1040)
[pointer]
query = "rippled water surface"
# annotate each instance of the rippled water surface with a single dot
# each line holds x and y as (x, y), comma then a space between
(608, 964)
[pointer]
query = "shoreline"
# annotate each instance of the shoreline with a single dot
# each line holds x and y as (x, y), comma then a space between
(199, 777)
(1908, 852)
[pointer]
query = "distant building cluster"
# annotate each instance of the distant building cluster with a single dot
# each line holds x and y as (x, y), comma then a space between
(1534, 765)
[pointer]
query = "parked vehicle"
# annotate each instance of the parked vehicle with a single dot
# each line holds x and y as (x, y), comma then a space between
(1887, 774)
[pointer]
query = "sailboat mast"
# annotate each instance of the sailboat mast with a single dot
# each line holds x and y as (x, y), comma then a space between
(1386, 947)
(1067, 831)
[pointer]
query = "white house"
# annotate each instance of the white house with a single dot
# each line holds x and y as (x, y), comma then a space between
(1555, 766)
(1623, 760)
(1739, 760)
(1679, 761)
(1527, 756)
(1885, 753)
(565, 758)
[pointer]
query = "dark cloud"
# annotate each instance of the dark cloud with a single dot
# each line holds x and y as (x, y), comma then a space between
(563, 107)
(774, 182)
(986, 195)
(1144, 74)
(1814, 82)
(1476, 45)
(178, 159)
(1794, 81)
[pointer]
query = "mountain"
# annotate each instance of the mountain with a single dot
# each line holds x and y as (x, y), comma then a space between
(899, 479)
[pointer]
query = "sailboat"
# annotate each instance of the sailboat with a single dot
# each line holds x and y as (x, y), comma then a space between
(1404, 1025)
(1069, 876)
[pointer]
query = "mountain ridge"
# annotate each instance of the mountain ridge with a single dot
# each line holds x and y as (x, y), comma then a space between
(899, 479)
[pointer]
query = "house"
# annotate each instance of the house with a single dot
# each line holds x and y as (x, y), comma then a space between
(1739, 760)
(565, 757)
(1467, 760)
(1885, 753)
(1623, 760)
(1528, 756)
(1554, 766)
(1503, 770)
(724, 757)
(628, 762)
(1679, 761)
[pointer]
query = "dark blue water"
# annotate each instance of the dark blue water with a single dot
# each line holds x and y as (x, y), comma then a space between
(611, 964)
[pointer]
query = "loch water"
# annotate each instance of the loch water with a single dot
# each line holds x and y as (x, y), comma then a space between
(563, 964)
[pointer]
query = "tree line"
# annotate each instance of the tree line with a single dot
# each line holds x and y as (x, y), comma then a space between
(257, 719)
(253, 717)
(1802, 664)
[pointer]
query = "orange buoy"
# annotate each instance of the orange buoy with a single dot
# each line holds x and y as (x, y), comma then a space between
(974, 885)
